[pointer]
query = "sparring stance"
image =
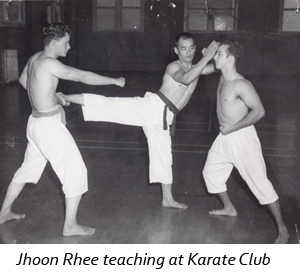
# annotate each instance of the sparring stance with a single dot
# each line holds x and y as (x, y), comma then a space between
(238, 108)
(48, 138)
(155, 112)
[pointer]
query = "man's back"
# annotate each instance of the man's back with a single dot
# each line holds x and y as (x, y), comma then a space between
(41, 84)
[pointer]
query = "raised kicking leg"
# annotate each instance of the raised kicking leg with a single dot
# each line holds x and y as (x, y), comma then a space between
(71, 227)
(159, 143)
(168, 200)
(283, 234)
(228, 210)
(12, 193)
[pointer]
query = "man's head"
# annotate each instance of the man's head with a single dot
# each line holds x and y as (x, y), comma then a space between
(229, 52)
(185, 47)
(57, 34)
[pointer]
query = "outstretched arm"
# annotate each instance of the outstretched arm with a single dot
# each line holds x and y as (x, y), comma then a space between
(65, 72)
(249, 96)
(61, 99)
(75, 98)
(65, 100)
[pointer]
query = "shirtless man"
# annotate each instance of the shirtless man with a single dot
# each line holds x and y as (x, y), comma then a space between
(48, 138)
(238, 108)
(156, 111)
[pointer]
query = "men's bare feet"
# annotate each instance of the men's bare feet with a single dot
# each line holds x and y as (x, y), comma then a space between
(173, 204)
(10, 216)
(78, 230)
(283, 237)
(224, 212)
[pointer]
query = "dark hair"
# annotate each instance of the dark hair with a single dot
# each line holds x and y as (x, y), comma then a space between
(184, 35)
(55, 31)
(234, 49)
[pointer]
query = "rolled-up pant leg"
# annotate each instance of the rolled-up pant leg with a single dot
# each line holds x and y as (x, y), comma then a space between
(160, 155)
(217, 167)
(49, 140)
(248, 159)
(34, 161)
(59, 148)
(32, 167)
(66, 161)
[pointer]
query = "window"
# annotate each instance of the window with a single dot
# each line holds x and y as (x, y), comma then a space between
(12, 13)
(55, 12)
(290, 16)
(210, 15)
(119, 15)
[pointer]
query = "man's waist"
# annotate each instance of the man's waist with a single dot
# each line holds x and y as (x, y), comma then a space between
(55, 110)
(51, 109)
(168, 102)
(172, 108)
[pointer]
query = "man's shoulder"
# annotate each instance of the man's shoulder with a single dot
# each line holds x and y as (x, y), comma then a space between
(240, 80)
(243, 82)
(50, 62)
(172, 68)
(174, 64)
(34, 57)
(37, 54)
(243, 86)
(42, 58)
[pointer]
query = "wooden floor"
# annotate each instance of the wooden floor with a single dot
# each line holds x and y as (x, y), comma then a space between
(121, 204)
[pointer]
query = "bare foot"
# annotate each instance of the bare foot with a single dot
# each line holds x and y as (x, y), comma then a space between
(173, 204)
(283, 237)
(10, 216)
(225, 212)
(78, 230)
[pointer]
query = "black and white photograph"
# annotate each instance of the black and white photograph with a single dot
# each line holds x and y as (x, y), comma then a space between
(149, 122)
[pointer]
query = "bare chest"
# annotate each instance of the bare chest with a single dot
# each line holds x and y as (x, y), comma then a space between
(227, 95)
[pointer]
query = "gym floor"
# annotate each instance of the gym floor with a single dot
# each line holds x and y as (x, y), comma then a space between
(121, 204)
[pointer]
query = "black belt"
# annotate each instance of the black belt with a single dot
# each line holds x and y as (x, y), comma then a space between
(172, 108)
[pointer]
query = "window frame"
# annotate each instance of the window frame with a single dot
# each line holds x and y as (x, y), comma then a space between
(118, 18)
(280, 25)
(53, 13)
(208, 30)
(13, 23)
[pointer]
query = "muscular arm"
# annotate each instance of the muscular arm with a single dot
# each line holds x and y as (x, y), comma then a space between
(65, 72)
(210, 68)
(65, 100)
(75, 98)
(187, 77)
(249, 96)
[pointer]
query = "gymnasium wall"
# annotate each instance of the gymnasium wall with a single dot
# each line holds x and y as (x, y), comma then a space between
(266, 50)
(19, 38)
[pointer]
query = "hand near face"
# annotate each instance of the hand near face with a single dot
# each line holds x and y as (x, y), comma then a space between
(211, 50)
